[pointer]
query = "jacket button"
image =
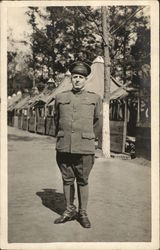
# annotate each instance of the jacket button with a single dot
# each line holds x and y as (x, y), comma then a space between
(72, 131)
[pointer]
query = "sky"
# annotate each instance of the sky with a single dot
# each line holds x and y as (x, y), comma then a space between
(17, 21)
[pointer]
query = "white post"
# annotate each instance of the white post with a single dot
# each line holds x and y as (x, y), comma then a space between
(106, 101)
(106, 131)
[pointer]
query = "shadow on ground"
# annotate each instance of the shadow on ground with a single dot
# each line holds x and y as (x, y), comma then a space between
(52, 200)
(12, 137)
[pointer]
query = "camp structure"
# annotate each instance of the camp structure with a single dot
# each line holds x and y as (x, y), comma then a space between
(29, 119)
(121, 117)
(39, 108)
(143, 124)
(11, 117)
(40, 113)
(31, 114)
(22, 112)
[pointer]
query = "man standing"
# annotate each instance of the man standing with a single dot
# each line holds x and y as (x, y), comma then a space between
(77, 112)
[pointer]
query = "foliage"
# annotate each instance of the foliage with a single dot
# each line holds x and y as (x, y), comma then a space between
(61, 35)
(130, 45)
(141, 58)
(66, 37)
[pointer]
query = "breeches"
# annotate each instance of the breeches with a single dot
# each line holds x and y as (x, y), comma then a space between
(75, 166)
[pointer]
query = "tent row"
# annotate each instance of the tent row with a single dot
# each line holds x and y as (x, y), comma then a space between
(35, 113)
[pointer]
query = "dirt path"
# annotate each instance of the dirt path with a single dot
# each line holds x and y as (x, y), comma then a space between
(119, 203)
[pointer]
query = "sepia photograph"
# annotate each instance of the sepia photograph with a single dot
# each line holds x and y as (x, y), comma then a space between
(79, 125)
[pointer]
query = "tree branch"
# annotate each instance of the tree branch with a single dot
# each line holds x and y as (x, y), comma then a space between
(126, 21)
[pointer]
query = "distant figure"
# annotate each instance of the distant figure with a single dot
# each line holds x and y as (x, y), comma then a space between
(77, 112)
(143, 111)
(131, 125)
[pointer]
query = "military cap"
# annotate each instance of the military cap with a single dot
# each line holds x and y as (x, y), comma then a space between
(80, 68)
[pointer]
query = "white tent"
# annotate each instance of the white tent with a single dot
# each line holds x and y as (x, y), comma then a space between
(94, 83)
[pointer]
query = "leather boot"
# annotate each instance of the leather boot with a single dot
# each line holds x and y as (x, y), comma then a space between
(68, 215)
(83, 219)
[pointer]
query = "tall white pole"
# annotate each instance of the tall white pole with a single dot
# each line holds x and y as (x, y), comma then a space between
(106, 126)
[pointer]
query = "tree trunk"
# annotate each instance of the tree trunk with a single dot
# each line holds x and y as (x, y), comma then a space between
(124, 51)
(75, 35)
(106, 127)
(124, 127)
(34, 83)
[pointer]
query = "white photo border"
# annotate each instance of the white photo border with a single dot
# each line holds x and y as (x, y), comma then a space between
(154, 244)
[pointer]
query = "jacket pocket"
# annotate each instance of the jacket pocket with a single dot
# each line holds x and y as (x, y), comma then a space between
(64, 101)
(89, 136)
(87, 109)
(60, 133)
(88, 102)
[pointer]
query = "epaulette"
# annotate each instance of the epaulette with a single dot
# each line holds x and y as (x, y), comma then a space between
(91, 92)
(66, 91)
(63, 92)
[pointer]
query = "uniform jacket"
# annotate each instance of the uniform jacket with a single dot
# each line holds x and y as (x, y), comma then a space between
(76, 115)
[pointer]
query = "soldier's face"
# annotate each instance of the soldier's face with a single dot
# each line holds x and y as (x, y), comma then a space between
(78, 81)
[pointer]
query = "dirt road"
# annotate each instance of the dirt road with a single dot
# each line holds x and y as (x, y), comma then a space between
(119, 202)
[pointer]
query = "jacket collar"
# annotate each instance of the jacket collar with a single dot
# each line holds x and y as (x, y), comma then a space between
(78, 92)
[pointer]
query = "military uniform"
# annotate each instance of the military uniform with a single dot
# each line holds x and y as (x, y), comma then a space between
(76, 113)
(76, 116)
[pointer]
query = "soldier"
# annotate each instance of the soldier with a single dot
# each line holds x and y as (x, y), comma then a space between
(77, 112)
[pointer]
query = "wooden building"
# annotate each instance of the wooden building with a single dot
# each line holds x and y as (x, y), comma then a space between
(11, 117)
(40, 108)
(118, 120)
(21, 112)
(40, 113)
(143, 125)
(31, 114)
